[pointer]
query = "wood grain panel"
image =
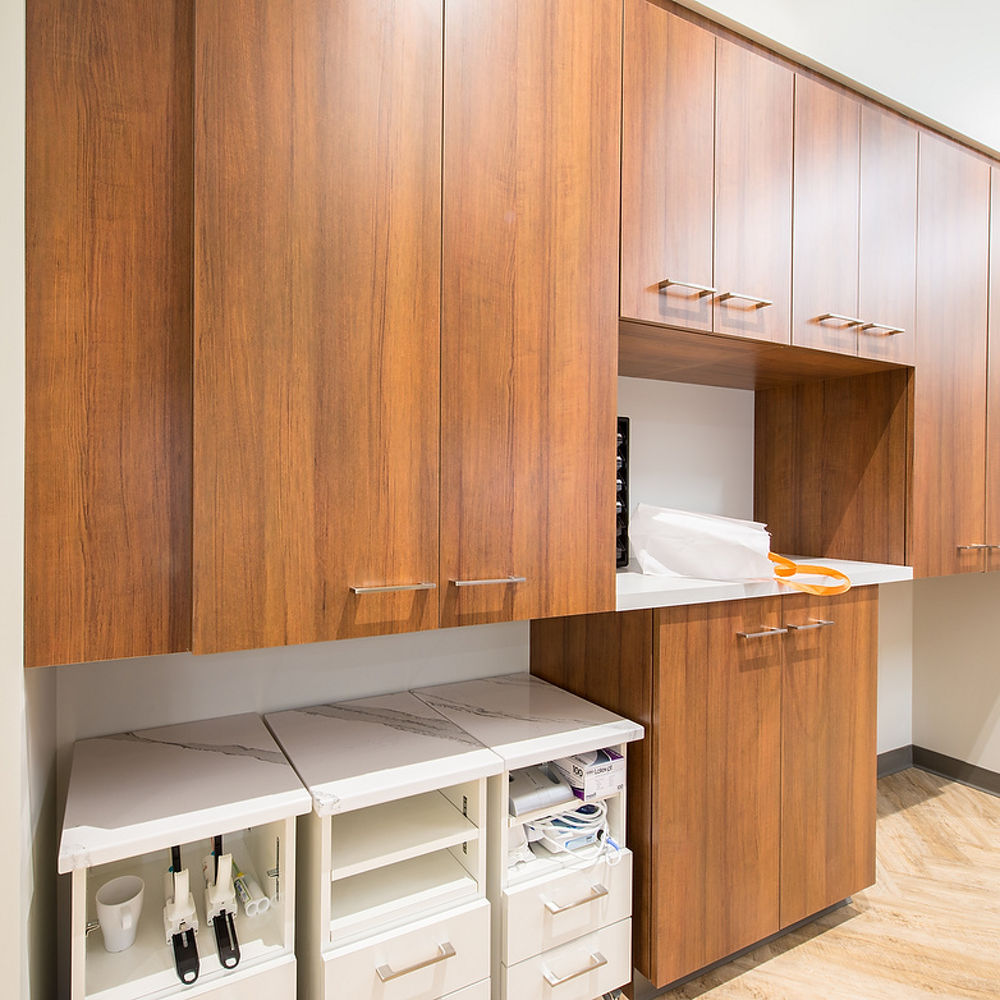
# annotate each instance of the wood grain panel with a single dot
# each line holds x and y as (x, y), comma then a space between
(828, 758)
(108, 330)
(831, 466)
(667, 167)
(532, 104)
(716, 796)
(753, 193)
(993, 393)
(949, 479)
(608, 659)
(317, 275)
(825, 239)
(887, 269)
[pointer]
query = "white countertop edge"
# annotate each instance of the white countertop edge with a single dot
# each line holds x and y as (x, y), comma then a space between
(637, 591)
(370, 789)
(524, 753)
(88, 846)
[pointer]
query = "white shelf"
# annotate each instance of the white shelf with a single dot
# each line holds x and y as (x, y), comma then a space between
(546, 863)
(571, 806)
(396, 831)
(384, 897)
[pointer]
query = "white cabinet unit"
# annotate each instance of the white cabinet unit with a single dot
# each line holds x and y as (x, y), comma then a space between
(136, 797)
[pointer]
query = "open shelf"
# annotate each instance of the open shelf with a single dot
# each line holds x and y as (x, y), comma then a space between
(559, 810)
(396, 831)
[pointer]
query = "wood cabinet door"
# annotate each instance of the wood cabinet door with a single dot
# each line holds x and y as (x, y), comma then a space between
(949, 472)
(993, 394)
(753, 195)
(887, 267)
(716, 782)
(529, 319)
(828, 751)
(317, 296)
(825, 237)
(667, 168)
(107, 527)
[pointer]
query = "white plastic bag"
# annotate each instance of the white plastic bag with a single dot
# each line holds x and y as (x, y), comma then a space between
(671, 542)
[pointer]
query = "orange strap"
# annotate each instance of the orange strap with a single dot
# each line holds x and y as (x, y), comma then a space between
(786, 568)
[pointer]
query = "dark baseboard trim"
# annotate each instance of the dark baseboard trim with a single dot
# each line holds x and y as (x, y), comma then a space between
(895, 760)
(950, 767)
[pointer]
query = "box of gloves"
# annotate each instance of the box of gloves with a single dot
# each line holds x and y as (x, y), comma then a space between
(594, 774)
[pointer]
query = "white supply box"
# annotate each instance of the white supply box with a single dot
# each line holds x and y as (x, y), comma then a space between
(594, 774)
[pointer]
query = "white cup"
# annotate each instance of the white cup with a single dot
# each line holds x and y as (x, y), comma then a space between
(119, 903)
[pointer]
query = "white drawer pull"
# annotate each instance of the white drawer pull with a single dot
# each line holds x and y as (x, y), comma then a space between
(596, 892)
(597, 960)
(386, 972)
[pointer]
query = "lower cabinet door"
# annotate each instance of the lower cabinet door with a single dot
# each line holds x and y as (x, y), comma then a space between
(581, 970)
(425, 960)
(544, 914)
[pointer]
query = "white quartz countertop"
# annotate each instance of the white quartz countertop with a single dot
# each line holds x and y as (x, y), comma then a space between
(527, 720)
(360, 753)
(137, 792)
(637, 591)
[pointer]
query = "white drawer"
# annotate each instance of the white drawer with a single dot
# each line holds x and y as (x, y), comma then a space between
(426, 959)
(581, 970)
(541, 915)
(479, 991)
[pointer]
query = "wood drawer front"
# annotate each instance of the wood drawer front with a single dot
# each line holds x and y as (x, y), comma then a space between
(609, 950)
(353, 971)
(530, 926)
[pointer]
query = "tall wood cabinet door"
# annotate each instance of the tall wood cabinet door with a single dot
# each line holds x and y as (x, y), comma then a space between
(716, 782)
(949, 487)
(825, 237)
(317, 283)
(667, 168)
(108, 330)
(993, 394)
(529, 324)
(887, 267)
(753, 195)
(828, 756)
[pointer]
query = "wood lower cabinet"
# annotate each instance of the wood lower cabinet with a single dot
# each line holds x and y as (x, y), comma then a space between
(752, 805)
(993, 387)
(529, 328)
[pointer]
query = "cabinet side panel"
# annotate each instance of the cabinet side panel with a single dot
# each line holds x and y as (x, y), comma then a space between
(108, 335)
(993, 395)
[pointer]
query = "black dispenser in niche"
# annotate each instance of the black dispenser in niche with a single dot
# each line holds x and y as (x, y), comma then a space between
(621, 496)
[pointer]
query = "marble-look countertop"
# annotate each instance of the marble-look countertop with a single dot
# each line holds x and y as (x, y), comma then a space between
(137, 792)
(637, 590)
(360, 753)
(527, 720)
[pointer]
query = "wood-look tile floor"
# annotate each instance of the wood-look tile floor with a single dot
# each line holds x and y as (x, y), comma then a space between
(929, 927)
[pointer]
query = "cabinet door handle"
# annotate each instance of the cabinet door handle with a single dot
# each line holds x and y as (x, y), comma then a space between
(393, 587)
(962, 548)
(486, 583)
(758, 302)
(597, 891)
(847, 320)
(386, 973)
(812, 623)
(768, 630)
(597, 960)
(702, 290)
(887, 331)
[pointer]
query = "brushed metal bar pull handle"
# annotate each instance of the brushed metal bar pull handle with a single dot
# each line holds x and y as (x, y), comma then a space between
(597, 891)
(486, 583)
(758, 302)
(392, 588)
(887, 330)
(848, 320)
(768, 630)
(386, 973)
(702, 290)
(962, 548)
(813, 623)
(597, 961)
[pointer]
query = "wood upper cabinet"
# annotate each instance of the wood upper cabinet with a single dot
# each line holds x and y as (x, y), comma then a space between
(825, 237)
(753, 195)
(993, 389)
(828, 750)
(529, 327)
(108, 330)
(667, 168)
(887, 262)
(949, 474)
(317, 284)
